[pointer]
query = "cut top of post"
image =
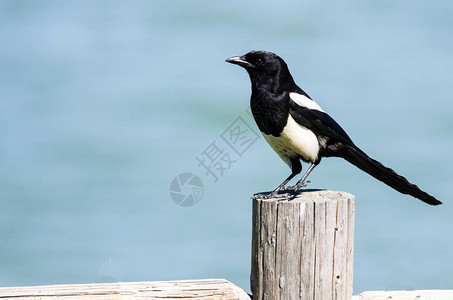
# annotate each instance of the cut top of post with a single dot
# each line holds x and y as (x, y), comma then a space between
(307, 195)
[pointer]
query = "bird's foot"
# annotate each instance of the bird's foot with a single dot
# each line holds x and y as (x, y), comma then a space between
(273, 195)
(297, 186)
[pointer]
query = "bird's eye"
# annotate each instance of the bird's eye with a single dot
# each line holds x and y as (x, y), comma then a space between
(259, 61)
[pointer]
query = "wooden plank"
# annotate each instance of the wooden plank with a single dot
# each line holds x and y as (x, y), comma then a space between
(205, 289)
(307, 249)
(350, 246)
(406, 295)
(287, 248)
(268, 237)
(302, 248)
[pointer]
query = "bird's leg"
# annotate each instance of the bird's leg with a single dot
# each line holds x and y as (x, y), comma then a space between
(281, 186)
(296, 167)
(302, 183)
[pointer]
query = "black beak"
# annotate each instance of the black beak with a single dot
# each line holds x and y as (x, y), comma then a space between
(239, 60)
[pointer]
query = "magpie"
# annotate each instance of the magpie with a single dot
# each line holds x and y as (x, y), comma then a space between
(297, 128)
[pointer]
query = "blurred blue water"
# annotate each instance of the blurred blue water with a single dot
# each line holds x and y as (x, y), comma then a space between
(104, 103)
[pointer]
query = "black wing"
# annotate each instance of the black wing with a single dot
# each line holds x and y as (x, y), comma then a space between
(339, 144)
(319, 122)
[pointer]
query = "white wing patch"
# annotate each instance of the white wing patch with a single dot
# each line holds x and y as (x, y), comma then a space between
(294, 141)
(304, 101)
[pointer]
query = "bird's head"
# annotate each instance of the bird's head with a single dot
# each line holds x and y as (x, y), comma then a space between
(258, 61)
(263, 67)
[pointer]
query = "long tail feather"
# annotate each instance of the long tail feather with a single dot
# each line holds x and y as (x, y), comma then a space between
(359, 158)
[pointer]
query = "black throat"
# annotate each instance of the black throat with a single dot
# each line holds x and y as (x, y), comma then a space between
(270, 100)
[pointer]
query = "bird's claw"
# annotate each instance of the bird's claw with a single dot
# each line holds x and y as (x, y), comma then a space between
(296, 187)
(292, 191)
(272, 195)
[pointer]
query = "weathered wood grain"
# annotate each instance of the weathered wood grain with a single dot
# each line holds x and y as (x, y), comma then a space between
(406, 295)
(205, 289)
(303, 248)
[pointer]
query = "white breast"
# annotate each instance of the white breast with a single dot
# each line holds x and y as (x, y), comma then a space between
(295, 140)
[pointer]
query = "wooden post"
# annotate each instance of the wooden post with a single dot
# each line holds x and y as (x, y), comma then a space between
(303, 248)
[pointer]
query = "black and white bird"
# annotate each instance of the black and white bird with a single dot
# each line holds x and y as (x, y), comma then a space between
(298, 129)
